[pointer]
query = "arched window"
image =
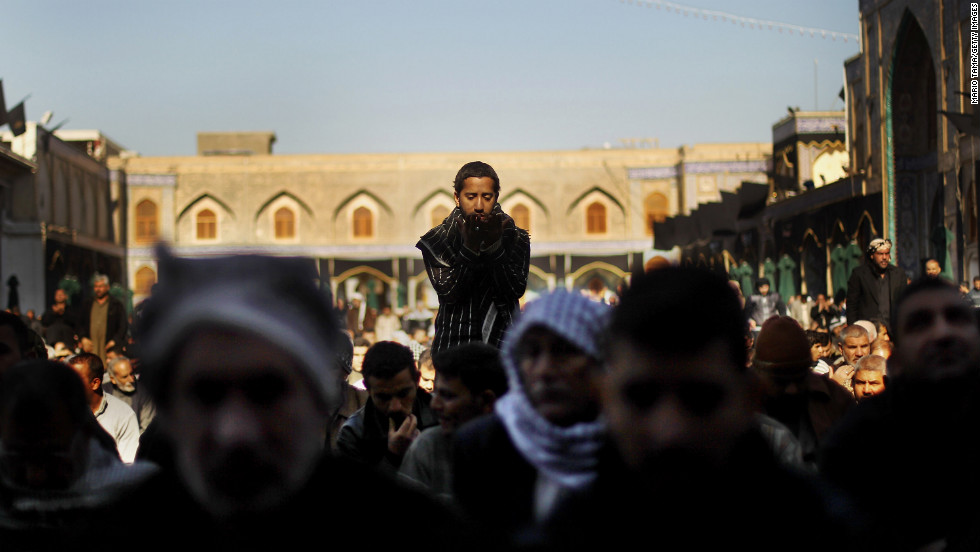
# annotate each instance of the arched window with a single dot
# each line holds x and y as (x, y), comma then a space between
(207, 225)
(522, 216)
(655, 207)
(595, 218)
(146, 221)
(145, 278)
(363, 221)
(439, 214)
(285, 223)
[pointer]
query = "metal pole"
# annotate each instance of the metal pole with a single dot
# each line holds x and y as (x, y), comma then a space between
(815, 105)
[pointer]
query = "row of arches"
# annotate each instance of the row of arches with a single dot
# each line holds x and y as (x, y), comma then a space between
(363, 219)
(596, 278)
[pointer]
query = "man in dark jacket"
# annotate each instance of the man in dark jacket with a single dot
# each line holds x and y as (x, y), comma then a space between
(874, 287)
(380, 433)
(59, 321)
(806, 403)
(102, 320)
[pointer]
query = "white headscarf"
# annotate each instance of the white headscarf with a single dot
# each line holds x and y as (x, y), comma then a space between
(566, 455)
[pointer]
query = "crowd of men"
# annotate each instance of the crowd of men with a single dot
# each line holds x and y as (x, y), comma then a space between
(667, 421)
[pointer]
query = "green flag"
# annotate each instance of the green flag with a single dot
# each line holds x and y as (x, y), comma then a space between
(17, 119)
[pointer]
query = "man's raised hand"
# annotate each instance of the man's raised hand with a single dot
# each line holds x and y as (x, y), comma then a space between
(401, 437)
(473, 228)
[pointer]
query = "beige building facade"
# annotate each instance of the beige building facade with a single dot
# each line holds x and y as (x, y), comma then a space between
(359, 216)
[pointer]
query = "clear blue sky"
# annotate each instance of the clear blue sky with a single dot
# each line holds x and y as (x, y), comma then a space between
(371, 76)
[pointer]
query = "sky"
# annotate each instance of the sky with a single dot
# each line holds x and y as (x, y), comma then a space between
(400, 76)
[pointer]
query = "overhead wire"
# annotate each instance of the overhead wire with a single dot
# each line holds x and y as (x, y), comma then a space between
(750, 22)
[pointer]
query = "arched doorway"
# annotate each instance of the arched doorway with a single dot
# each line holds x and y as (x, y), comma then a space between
(913, 128)
(598, 280)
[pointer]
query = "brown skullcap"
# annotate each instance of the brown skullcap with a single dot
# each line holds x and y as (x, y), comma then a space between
(782, 350)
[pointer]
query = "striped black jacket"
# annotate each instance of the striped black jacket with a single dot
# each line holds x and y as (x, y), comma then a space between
(478, 292)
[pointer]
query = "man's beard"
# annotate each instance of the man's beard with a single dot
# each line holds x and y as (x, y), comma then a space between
(126, 387)
(244, 482)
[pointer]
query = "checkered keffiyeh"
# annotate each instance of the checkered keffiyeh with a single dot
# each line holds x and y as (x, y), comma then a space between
(566, 455)
(574, 317)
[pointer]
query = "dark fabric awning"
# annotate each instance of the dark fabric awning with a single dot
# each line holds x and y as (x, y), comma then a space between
(663, 234)
(709, 215)
(683, 230)
(752, 199)
(711, 220)
(728, 214)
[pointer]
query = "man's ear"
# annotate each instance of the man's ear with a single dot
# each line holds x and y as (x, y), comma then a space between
(597, 383)
(755, 389)
(486, 399)
(96, 383)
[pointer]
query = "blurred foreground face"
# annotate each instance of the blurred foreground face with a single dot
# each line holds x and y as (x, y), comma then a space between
(937, 336)
(671, 414)
(42, 454)
(557, 377)
(9, 349)
(246, 426)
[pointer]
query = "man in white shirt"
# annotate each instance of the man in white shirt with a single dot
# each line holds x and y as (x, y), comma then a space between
(115, 416)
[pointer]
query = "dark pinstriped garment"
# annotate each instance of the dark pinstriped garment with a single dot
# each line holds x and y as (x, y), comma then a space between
(478, 292)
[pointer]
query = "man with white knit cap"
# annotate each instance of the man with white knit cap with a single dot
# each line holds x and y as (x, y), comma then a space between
(239, 355)
(541, 444)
